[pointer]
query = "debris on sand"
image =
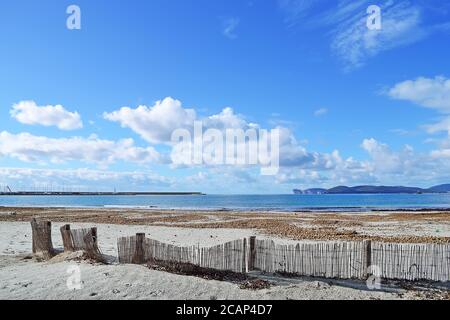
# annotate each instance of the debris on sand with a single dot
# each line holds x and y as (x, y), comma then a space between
(255, 284)
(188, 269)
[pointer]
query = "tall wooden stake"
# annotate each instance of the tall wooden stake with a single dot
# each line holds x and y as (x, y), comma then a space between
(66, 235)
(42, 238)
(139, 254)
(252, 258)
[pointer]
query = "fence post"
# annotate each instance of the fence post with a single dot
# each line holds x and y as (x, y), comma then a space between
(42, 238)
(245, 257)
(252, 257)
(139, 253)
(367, 245)
(66, 235)
(94, 235)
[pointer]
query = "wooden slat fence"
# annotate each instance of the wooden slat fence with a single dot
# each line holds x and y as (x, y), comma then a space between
(231, 256)
(78, 238)
(337, 260)
(81, 240)
(342, 260)
(126, 248)
(412, 261)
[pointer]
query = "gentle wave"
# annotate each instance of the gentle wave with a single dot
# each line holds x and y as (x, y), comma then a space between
(276, 203)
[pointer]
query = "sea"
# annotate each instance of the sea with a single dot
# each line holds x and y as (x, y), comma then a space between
(287, 203)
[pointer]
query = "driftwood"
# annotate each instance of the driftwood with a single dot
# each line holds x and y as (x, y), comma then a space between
(42, 239)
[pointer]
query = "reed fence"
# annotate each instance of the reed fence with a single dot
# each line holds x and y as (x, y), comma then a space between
(342, 260)
(231, 256)
(81, 240)
(336, 260)
(412, 261)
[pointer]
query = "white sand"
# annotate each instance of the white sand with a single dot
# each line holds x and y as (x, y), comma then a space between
(25, 279)
(28, 279)
(15, 237)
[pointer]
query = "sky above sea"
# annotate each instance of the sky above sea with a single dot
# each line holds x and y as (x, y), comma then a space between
(93, 109)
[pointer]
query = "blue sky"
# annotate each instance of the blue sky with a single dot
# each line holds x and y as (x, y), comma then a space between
(356, 105)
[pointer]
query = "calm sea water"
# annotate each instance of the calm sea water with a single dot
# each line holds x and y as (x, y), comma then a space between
(240, 202)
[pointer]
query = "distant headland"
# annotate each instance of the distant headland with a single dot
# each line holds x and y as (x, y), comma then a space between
(444, 188)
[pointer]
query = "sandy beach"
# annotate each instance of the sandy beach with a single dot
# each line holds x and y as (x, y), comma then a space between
(22, 277)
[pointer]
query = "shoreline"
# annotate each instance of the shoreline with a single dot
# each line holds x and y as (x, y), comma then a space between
(332, 209)
(386, 226)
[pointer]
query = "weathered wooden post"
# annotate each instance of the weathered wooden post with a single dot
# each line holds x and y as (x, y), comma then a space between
(252, 257)
(66, 235)
(244, 257)
(90, 246)
(42, 238)
(139, 253)
(367, 247)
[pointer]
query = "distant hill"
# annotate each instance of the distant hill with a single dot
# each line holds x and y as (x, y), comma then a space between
(445, 188)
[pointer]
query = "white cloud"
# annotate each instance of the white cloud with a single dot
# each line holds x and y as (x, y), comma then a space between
(154, 124)
(30, 148)
(227, 119)
(321, 112)
(433, 93)
(383, 160)
(354, 43)
(295, 10)
(28, 112)
(81, 179)
(351, 41)
(406, 165)
(229, 28)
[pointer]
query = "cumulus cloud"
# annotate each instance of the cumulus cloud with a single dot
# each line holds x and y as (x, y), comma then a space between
(28, 112)
(81, 179)
(151, 124)
(30, 148)
(154, 124)
(432, 93)
(406, 164)
(157, 123)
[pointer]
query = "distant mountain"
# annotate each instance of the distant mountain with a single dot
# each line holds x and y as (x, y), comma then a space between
(445, 188)
(373, 189)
